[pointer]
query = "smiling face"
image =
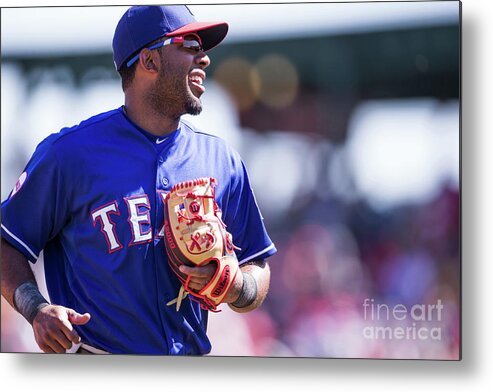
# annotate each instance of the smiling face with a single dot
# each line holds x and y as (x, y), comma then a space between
(179, 85)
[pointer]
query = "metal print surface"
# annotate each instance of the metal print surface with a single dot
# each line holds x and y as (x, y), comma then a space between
(331, 129)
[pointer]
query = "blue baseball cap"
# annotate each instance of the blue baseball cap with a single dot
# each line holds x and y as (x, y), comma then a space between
(141, 25)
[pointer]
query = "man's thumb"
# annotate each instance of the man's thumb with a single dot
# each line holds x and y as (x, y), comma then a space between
(77, 318)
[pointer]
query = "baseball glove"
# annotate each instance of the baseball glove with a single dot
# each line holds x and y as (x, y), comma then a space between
(195, 235)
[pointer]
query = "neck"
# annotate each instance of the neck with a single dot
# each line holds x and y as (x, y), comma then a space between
(159, 124)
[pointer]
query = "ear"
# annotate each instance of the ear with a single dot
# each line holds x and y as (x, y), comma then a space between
(147, 60)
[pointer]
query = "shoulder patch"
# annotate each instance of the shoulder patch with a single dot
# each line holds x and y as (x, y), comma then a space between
(19, 183)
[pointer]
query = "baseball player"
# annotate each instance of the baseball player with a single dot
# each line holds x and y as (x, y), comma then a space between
(93, 198)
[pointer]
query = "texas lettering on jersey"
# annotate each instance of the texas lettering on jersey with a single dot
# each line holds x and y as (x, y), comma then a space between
(139, 220)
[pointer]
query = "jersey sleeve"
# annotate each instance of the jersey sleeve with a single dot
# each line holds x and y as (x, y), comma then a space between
(36, 208)
(243, 218)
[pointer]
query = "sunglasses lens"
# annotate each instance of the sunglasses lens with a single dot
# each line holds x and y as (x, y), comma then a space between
(192, 44)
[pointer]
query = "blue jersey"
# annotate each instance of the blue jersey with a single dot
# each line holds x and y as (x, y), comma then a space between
(91, 198)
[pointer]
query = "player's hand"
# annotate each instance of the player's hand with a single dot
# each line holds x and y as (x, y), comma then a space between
(53, 328)
(200, 276)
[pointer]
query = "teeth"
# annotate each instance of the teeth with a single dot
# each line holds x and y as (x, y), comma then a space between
(197, 79)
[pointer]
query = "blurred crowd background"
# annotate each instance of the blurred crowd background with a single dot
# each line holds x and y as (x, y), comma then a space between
(347, 116)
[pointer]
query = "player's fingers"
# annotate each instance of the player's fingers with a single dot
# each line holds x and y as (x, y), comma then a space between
(77, 318)
(205, 271)
(54, 345)
(199, 278)
(69, 331)
(197, 283)
(195, 286)
(46, 349)
(190, 271)
(57, 338)
(63, 341)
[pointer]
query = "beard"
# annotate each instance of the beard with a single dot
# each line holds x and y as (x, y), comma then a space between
(194, 107)
(171, 95)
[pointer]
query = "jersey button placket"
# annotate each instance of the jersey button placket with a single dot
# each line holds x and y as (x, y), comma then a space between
(164, 180)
